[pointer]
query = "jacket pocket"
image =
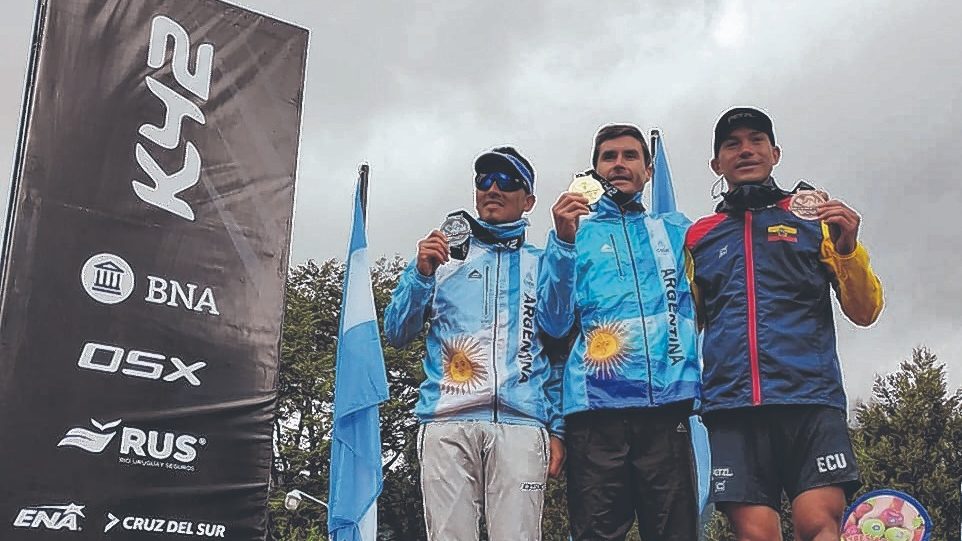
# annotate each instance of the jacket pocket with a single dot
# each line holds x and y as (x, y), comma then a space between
(617, 254)
(487, 292)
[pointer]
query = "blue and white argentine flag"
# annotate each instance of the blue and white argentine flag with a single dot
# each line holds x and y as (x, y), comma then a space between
(663, 201)
(360, 384)
(662, 189)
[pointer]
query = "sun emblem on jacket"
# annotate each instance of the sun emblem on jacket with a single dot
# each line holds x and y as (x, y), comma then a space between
(463, 368)
(607, 349)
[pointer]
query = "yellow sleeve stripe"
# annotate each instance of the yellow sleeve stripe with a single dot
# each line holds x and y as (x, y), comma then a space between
(859, 290)
(695, 293)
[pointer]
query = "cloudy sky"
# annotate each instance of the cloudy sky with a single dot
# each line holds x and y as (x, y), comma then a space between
(866, 97)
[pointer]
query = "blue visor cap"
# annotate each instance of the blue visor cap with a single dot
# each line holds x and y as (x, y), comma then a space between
(500, 162)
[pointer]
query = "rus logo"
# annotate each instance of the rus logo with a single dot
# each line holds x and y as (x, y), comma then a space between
(166, 187)
(134, 441)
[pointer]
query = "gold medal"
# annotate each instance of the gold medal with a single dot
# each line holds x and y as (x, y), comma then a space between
(804, 204)
(588, 186)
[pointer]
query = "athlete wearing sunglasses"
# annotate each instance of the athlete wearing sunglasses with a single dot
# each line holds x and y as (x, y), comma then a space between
(490, 404)
(504, 186)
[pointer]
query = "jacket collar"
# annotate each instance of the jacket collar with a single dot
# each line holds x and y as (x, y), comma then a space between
(607, 208)
(754, 196)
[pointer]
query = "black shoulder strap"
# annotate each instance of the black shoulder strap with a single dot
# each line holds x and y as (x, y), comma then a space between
(619, 197)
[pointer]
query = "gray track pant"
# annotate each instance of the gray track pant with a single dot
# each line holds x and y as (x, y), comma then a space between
(470, 468)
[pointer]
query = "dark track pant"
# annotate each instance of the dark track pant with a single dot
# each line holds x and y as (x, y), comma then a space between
(623, 464)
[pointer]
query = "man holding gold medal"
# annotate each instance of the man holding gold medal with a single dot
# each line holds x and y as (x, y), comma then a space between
(614, 275)
(489, 406)
(762, 271)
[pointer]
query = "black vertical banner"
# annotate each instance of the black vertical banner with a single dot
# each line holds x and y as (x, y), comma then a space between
(144, 269)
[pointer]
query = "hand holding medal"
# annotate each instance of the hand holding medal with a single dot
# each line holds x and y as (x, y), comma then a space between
(842, 220)
(432, 253)
(457, 230)
(573, 204)
(843, 223)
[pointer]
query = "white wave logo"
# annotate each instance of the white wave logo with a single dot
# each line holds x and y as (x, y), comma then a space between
(89, 440)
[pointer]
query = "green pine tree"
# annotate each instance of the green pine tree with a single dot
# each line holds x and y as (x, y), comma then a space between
(305, 400)
(909, 437)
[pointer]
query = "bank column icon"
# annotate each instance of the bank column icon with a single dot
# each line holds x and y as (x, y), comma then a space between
(107, 278)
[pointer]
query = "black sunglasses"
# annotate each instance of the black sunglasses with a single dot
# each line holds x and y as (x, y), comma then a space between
(506, 183)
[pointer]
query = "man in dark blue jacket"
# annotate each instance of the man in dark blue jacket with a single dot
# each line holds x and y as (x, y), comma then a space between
(762, 270)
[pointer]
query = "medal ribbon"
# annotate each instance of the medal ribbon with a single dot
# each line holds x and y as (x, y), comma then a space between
(619, 197)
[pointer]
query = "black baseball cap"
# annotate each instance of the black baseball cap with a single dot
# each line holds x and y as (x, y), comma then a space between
(506, 160)
(738, 117)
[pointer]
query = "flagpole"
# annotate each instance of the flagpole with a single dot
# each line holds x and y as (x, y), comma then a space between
(363, 171)
(655, 134)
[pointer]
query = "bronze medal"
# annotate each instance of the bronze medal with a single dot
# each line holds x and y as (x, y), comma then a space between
(804, 204)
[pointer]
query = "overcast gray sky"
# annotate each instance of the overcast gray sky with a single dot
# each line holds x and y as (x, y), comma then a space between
(866, 97)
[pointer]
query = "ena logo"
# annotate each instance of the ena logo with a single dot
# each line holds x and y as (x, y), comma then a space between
(50, 517)
(163, 193)
(134, 441)
(137, 364)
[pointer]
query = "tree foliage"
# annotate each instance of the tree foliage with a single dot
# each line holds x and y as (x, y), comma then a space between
(305, 405)
(909, 438)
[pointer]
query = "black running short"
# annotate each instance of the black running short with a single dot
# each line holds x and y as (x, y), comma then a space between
(758, 452)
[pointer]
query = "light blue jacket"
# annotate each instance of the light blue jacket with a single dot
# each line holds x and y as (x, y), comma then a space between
(623, 282)
(485, 358)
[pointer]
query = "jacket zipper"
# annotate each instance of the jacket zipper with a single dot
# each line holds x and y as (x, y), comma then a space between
(494, 338)
(614, 246)
(641, 306)
(752, 315)
(487, 288)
